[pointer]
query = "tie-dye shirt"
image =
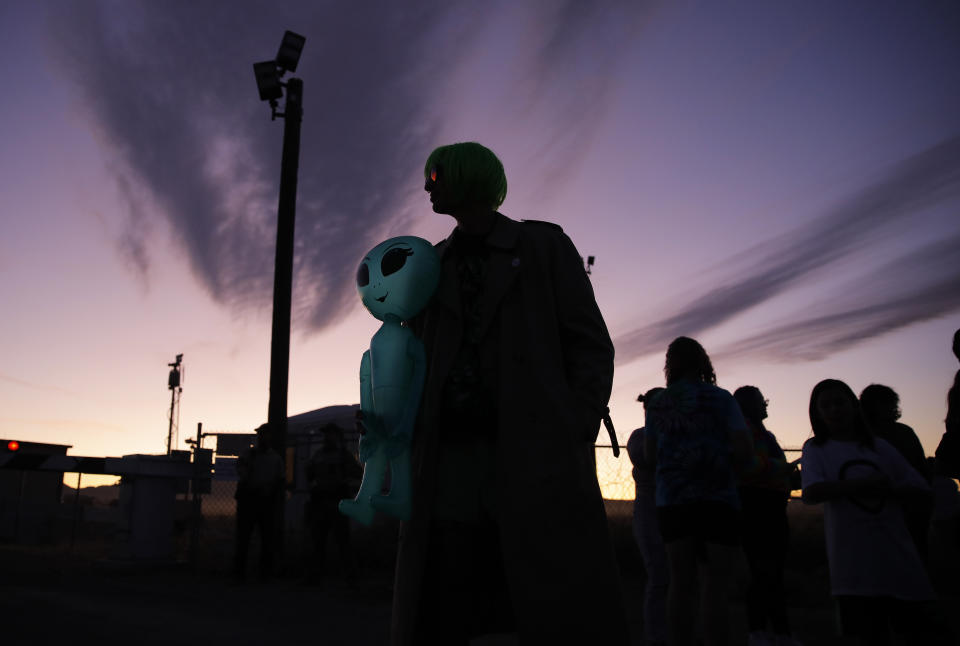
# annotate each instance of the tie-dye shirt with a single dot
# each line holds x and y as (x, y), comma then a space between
(691, 423)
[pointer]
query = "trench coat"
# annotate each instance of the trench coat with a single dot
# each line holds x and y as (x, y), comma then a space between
(554, 376)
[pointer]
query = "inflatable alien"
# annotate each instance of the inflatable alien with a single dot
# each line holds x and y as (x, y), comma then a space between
(395, 280)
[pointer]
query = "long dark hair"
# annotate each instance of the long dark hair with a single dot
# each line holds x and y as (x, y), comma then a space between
(687, 358)
(820, 431)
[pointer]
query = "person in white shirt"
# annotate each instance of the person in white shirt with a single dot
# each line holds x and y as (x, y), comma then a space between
(877, 578)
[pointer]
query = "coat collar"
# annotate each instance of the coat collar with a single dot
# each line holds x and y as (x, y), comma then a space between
(502, 267)
(505, 233)
(503, 236)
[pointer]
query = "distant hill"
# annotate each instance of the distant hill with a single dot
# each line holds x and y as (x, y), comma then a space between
(103, 495)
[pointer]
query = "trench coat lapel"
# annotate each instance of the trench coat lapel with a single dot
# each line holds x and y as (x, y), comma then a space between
(448, 289)
(503, 266)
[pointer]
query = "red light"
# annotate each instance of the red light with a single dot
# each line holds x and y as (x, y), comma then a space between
(13, 445)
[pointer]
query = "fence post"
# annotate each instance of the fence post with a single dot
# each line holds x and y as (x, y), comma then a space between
(16, 521)
(196, 501)
(76, 512)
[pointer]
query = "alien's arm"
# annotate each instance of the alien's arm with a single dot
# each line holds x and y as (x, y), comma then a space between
(370, 437)
(366, 388)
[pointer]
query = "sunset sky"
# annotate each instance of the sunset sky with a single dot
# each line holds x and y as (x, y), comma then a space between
(779, 180)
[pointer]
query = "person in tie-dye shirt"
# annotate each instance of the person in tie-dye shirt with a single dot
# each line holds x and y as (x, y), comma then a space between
(696, 435)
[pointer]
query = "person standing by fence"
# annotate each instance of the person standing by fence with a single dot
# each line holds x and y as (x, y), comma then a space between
(696, 434)
(881, 410)
(877, 579)
(646, 531)
(764, 490)
(948, 451)
(333, 473)
(258, 495)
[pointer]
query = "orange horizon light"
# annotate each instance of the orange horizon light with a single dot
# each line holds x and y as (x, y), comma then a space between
(13, 445)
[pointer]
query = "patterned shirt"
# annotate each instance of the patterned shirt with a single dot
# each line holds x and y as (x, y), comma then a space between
(691, 423)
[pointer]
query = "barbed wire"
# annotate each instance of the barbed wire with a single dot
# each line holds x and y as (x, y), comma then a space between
(615, 474)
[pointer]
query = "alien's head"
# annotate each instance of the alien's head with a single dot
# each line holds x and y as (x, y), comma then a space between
(398, 277)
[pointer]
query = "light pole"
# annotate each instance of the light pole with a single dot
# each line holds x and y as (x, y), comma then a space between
(268, 74)
(173, 383)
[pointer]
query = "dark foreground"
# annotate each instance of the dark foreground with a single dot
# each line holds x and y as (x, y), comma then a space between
(48, 596)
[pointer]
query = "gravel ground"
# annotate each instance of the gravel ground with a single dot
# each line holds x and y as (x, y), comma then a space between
(50, 596)
(55, 599)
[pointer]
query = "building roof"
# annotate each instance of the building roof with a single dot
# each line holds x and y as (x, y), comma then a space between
(343, 416)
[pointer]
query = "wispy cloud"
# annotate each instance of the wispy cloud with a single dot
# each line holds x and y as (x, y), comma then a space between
(170, 88)
(62, 424)
(917, 287)
(927, 178)
(23, 383)
(573, 77)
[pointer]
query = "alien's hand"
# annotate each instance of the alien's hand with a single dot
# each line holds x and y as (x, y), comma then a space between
(368, 423)
(370, 443)
(358, 422)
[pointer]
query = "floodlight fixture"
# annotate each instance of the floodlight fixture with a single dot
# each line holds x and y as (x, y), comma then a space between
(268, 80)
(289, 53)
(588, 265)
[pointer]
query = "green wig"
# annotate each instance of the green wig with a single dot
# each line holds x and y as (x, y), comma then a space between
(472, 172)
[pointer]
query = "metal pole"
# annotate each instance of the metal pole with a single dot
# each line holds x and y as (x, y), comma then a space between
(76, 512)
(16, 523)
(173, 396)
(195, 498)
(283, 277)
(283, 271)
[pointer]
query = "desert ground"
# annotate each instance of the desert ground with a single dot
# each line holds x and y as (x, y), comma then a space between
(58, 595)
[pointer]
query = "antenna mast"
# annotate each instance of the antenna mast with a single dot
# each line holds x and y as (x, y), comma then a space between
(173, 383)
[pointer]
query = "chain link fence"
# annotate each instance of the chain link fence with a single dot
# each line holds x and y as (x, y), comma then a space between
(217, 510)
(96, 521)
(616, 477)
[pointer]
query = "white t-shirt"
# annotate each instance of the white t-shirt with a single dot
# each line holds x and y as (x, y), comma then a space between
(869, 549)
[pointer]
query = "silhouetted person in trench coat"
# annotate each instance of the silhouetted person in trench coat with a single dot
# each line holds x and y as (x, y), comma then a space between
(508, 531)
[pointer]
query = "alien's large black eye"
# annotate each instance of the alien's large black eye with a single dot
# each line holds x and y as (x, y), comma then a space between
(394, 260)
(363, 275)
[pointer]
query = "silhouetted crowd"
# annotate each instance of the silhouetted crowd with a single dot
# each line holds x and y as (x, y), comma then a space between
(507, 529)
(712, 481)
